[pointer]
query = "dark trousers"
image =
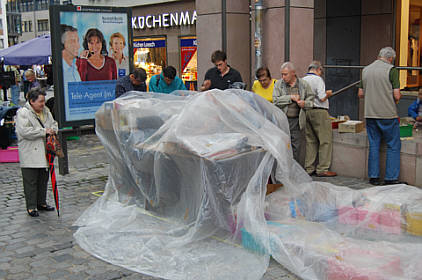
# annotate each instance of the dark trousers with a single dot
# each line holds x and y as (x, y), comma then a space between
(297, 137)
(35, 186)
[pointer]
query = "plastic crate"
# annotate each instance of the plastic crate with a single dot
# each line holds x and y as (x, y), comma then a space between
(406, 130)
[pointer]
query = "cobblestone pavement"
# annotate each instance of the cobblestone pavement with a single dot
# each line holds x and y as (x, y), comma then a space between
(43, 248)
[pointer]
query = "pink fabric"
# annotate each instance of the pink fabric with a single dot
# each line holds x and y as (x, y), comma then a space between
(9, 155)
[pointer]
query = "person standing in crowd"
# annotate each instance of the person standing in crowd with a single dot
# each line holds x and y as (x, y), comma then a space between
(70, 49)
(117, 44)
(222, 75)
(166, 81)
(319, 134)
(264, 85)
(15, 88)
(415, 109)
(293, 96)
(34, 122)
(94, 64)
(133, 81)
(380, 87)
(31, 79)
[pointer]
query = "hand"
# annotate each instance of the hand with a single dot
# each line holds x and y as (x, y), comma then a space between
(361, 93)
(329, 93)
(84, 54)
(295, 97)
(419, 118)
(206, 85)
(50, 131)
(301, 103)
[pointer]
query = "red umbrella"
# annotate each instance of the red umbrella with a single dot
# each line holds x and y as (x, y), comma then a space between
(52, 143)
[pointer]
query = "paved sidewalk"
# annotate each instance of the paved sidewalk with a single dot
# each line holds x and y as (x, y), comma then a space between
(43, 248)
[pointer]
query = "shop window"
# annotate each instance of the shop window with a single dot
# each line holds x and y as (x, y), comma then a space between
(43, 25)
(150, 54)
(409, 42)
(188, 62)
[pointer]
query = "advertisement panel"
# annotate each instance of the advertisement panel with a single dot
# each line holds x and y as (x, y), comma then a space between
(92, 48)
(188, 61)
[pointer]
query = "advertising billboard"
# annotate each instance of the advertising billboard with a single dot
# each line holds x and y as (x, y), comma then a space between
(92, 48)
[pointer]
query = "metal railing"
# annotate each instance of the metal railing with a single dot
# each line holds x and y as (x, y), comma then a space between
(361, 67)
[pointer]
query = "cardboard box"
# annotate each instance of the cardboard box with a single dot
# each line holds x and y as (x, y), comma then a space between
(351, 126)
(272, 188)
(336, 121)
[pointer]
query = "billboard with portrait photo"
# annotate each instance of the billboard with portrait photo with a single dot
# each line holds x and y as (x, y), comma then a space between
(91, 50)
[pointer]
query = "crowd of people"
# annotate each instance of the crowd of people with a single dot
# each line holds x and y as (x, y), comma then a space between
(304, 100)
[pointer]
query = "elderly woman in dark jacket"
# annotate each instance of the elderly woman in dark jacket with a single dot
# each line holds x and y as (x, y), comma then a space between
(34, 122)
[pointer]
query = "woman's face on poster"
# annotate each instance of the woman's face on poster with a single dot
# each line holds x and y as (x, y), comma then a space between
(117, 45)
(95, 45)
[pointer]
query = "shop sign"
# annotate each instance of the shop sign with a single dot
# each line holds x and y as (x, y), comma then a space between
(149, 43)
(164, 20)
(188, 42)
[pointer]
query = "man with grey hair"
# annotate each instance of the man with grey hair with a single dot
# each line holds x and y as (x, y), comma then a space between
(70, 49)
(380, 87)
(319, 134)
(293, 96)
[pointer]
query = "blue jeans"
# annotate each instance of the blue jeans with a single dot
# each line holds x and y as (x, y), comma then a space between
(15, 94)
(389, 130)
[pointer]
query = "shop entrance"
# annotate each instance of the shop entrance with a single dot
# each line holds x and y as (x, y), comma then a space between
(409, 42)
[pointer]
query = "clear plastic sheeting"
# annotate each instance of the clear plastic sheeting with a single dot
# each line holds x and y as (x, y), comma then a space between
(186, 198)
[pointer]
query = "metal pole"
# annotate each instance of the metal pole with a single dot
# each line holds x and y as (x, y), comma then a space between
(287, 31)
(259, 13)
(224, 25)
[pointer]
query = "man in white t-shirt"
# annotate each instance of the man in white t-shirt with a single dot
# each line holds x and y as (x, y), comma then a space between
(319, 135)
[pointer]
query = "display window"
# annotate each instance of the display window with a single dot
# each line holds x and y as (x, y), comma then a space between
(409, 42)
(150, 54)
(188, 62)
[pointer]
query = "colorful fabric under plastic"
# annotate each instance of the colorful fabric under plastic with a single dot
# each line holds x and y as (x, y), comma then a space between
(186, 199)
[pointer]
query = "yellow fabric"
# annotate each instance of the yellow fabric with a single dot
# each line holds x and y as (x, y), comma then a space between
(266, 93)
(40, 116)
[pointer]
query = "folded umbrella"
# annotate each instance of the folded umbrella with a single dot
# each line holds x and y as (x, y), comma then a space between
(51, 154)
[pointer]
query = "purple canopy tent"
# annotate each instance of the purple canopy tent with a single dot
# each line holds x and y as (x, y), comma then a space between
(34, 51)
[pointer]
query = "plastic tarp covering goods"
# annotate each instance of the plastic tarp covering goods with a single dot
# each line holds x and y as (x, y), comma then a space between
(186, 198)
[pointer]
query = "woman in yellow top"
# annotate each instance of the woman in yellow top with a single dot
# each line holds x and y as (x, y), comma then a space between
(264, 86)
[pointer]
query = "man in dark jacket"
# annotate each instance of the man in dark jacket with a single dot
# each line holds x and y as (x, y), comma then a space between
(133, 81)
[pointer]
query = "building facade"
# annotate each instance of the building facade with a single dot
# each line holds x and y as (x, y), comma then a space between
(184, 33)
(27, 19)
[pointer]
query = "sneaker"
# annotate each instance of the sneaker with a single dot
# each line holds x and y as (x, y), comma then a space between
(375, 181)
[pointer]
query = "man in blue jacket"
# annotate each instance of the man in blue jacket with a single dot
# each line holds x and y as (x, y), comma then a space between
(415, 109)
(166, 82)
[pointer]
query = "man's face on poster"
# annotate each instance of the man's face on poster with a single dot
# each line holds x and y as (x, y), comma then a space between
(71, 44)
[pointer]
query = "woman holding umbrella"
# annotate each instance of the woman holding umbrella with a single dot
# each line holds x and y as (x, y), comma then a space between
(34, 122)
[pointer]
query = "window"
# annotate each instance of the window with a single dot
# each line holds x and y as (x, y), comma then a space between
(150, 54)
(1, 44)
(43, 25)
(27, 26)
(1, 24)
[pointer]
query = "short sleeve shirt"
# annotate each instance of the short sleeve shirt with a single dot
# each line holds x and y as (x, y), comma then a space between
(214, 75)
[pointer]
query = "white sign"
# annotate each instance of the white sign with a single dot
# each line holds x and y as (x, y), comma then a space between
(164, 20)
